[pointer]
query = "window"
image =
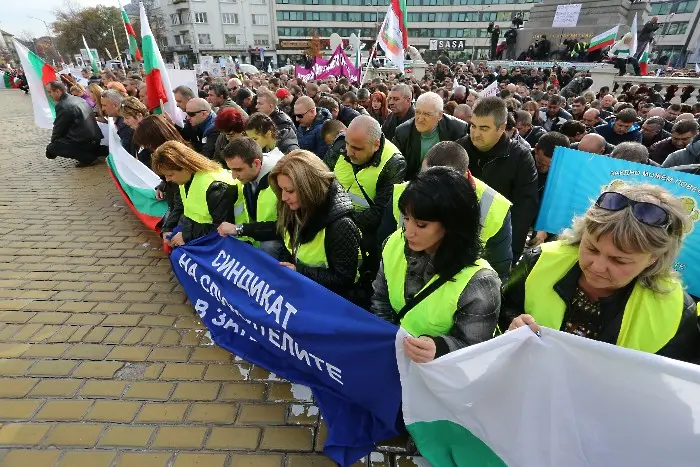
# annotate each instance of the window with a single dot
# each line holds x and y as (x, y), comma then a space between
(488, 17)
(227, 1)
(232, 39)
(260, 20)
(204, 39)
(686, 7)
(200, 18)
(229, 18)
(175, 19)
(258, 2)
(261, 40)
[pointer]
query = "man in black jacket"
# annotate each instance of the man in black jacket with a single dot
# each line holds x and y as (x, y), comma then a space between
(523, 122)
(430, 126)
(399, 101)
(506, 166)
(495, 31)
(111, 102)
(646, 35)
(75, 132)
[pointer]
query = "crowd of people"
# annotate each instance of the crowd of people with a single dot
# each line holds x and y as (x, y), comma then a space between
(416, 199)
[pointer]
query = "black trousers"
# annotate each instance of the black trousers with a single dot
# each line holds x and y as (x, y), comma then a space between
(621, 64)
(82, 152)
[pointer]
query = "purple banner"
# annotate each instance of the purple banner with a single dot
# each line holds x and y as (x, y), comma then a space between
(338, 65)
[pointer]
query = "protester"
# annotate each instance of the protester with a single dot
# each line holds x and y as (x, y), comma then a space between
(338, 111)
(574, 130)
(633, 152)
(399, 102)
(431, 280)
(378, 108)
(133, 112)
(687, 156)
(333, 133)
(614, 266)
(623, 128)
(286, 131)
(310, 119)
(204, 134)
(229, 124)
(504, 165)
(261, 129)
(683, 132)
(463, 112)
(430, 125)
(591, 118)
(553, 116)
(646, 35)
(653, 131)
(206, 197)
(593, 143)
(314, 219)
(75, 134)
(251, 167)
(183, 94)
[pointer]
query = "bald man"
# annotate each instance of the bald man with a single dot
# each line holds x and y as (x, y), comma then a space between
(368, 172)
(593, 143)
(310, 119)
(201, 118)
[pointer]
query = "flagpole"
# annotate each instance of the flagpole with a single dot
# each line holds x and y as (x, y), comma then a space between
(369, 60)
(116, 46)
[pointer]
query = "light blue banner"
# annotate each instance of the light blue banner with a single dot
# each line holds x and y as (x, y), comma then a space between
(577, 178)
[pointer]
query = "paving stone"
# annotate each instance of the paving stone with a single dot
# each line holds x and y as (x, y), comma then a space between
(242, 391)
(200, 460)
(162, 413)
(97, 369)
(19, 409)
(60, 410)
(87, 458)
(127, 436)
(27, 434)
(257, 460)
(56, 388)
(261, 414)
(26, 458)
(113, 411)
(111, 389)
(179, 437)
(196, 391)
(233, 438)
(16, 387)
(74, 434)
(212, 413)
(143, 459)
(147, 390)
(287, 438)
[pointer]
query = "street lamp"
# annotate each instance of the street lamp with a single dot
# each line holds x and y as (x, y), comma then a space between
(48, 31)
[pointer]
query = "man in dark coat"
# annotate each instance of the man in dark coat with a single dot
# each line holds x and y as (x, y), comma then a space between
(646, 35)
(75, 132)
(503, 164)
(430, 126)
(399, 101)
(495, 31)
(623, 129)
(205, 133)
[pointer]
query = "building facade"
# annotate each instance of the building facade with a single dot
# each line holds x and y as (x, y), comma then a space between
(241, 29)
(678, 38)
(430, 22)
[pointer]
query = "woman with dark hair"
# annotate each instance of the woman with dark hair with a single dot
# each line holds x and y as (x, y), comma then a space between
(231, 125)
(261, 129)
(432, 280)
(378, 107)
(133, 112)
(533, 109)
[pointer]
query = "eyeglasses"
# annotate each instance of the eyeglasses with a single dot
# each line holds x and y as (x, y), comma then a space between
(192, 114)
(646, 213)
(302, 115)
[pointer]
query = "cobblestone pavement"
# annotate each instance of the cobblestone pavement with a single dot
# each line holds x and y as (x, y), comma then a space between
(102, 361)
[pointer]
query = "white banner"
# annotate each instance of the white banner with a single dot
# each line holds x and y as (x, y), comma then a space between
(183, 77)
(566, 16)
(490, 90)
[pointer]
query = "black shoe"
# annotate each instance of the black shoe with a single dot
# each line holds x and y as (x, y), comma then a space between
(85, 164)
(50, 156)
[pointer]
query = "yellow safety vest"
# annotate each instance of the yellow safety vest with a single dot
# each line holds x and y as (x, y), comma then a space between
(266, 206)
(493, 208)
(194, 201)
(650, 319)
(366, 177)
(312, 253)
(434, 315)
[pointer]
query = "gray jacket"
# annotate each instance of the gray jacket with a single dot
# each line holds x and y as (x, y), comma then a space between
(687, 156)
(477, 309)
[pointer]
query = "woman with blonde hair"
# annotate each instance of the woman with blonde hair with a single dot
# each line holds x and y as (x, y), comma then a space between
(610, 277)
(314, 219)
(533, 109)
(620, 52)
(207, 194)
(95, 92)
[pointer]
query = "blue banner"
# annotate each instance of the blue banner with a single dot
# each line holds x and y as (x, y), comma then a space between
(577, 178)
(282, 321)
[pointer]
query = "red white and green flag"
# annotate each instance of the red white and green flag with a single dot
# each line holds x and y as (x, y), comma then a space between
(393, 35)
(159, 91)
(39, 74)
(604, 39)
(131, 37)
(644, 61)
(93, 59)
(135, 182)
(6, 81)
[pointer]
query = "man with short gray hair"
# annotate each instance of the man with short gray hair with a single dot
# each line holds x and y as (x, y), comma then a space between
(463, 112)
(505, 165)
(653, 130)
(368, 172)
(429, 126)
(633, 152)
(399, 102)
(459, 95)
(111, 101)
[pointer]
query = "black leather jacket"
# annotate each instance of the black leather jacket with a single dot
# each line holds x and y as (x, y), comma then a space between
(75, 121)
(407, 139)
(685, 345)
(342, 243)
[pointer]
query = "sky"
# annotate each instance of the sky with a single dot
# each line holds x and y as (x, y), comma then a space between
(15, 13)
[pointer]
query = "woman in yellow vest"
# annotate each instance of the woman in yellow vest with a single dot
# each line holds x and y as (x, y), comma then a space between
(610, 277)
(207, 194)
(314, 219)
(432, 280)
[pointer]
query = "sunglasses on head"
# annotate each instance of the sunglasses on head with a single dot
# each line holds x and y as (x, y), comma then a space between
(646, 213)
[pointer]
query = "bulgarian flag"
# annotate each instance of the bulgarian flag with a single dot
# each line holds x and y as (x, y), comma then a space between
(131, 36)
(135, 182)
(93, 60)
(604, 39)
(557, 400)
(39, 74)
(393, 35)
(160, 92)
(644, 61)
(6, 81)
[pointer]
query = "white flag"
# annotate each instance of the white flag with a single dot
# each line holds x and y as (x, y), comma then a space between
(697, 68)
(633, 31)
